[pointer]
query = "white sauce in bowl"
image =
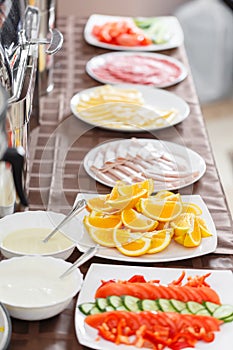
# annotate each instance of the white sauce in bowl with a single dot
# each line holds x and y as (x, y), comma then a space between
(30, 241)
(34, 281)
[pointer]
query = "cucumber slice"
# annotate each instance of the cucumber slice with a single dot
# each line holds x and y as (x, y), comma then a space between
(194, 307)
(228, 319)
(186, 311)
(211, 307)
(109, 308)
(165, 305)
(121, 308)
(144, 23)
(223, 311)
(85, 308)
(102, 303)
(148, 305)
(115, 301)
(95, 310)
(130, 303)
(204, 312)
(178, 305)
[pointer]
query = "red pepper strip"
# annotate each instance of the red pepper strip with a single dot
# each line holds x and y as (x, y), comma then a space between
(106, 333)
(137, 278)
(178, 281)
(198, 281)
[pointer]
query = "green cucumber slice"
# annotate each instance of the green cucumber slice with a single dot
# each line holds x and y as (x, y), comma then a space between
(178, 305)
(95, 310)
(228, 319)
(194, 307)
(165, 305)
(204, 312)
(211, 307)
(102, 303)
(186, 311)
(109, 308)
(148, 305)
(85, 308)
(121, 308)
(115, 301)
(223, 311)
(130, 303)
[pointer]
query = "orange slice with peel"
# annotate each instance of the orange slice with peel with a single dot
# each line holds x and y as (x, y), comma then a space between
(160, 240)
(126, 202)
(99, 204)
(191, 208)
(203, 227)
(158, 209)
(131, 244)
(128, 190)
(193, 236)
(137, 222)
(110, 221)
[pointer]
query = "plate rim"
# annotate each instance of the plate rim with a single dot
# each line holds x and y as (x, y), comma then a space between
(90, 39)
(123, 258)
(151, 90)
(183, 75)
(99, 146)
(6, 337)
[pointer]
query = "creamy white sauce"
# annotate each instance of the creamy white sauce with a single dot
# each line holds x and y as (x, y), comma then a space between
(30, 241)
(34, 283)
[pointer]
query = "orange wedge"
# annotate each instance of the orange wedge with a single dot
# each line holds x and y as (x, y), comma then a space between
(203, 228)
(158, 209)
(131, 244)
(126, 202)
(137, 222)
(99, 204)
(191, 208)
(160, 240)
(110, 221)
(128, 190)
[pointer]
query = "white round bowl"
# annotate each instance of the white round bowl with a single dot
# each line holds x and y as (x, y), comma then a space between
(44, 220)
(30, 287)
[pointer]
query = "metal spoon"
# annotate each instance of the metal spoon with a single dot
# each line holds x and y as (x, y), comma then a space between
(81, 260)
(80, 205)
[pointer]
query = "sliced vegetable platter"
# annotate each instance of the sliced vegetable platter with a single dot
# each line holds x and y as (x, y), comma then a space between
(165, 32)
(220, 281)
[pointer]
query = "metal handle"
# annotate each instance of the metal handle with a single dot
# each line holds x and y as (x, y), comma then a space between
(80, 205)
(55, 43)
(83, 258)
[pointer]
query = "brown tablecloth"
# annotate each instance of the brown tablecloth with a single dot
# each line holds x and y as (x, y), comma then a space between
(57, 149)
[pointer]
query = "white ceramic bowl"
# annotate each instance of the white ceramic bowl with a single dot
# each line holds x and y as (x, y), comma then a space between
(39, 220)
(30, 287)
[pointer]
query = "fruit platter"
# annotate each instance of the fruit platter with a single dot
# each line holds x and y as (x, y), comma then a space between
(122, 307)
(132, 224)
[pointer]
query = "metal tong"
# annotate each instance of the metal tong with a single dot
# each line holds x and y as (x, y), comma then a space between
(80, 205)
(83, 258)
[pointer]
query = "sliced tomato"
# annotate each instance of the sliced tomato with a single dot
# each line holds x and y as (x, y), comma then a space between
(137, 278)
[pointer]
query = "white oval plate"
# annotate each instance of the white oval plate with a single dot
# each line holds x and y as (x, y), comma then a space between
(180, 155)
(220, 280)
(171, 23)
(154, 98)
(100, 60)
(5, 328)
(174, 252)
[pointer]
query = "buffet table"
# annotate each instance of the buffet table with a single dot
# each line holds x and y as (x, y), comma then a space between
(57, 148)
